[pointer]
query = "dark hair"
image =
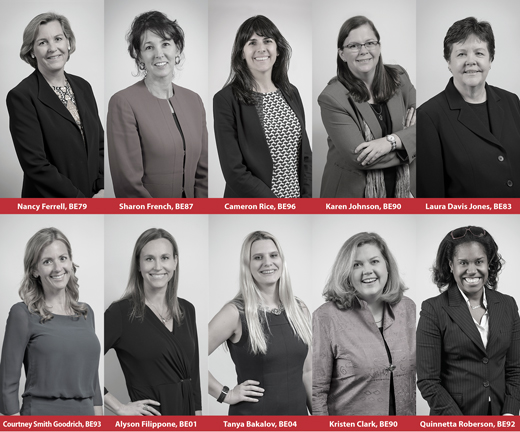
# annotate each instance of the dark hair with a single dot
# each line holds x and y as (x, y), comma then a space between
(339, 289)
(466, 27)
(157, 23)
(240, 77)
(386, 78)
(441, 271)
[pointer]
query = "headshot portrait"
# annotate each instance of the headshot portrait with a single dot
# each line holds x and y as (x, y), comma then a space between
(156, 92)
(468, 110)
(155, 314)
(261, 89)
(259, 333)
(364, 119)
(52, 121)
(363, 342)
(468, 334)
(51, 314)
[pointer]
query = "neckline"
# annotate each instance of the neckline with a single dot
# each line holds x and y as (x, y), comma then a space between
(159, 320)
(151, 94)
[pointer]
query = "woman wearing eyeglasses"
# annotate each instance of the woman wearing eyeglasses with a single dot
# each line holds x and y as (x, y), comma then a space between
(468, 337)
(368, 110)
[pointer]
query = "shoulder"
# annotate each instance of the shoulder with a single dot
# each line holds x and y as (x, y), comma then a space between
(406, 304)
(74, 79)
(302, 306)
(436, 302)
(28, 85)
(334, 87)
(186, 306)
(122, 307)
(500, 297)
(503, 93)
(19, 307)
(129, 94)
(436, 104)
(185, 93)
(226, 94)
(326, 310)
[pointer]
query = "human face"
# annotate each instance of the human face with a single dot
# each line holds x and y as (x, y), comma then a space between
(157, 263)
(158, 56)
(266, 264)
(54, 267)
(469, 63)
(260, 54)
(470, 268)
(51, 48)
(369, 273)
(363, 62)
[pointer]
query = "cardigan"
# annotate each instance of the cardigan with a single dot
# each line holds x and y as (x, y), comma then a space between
(343, 175)
(456, 374)
(350, 370)
(145, 147)
(56, 161)
(243, 151)
(459, 156)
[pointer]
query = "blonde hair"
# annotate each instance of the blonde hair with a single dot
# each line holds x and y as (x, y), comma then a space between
(339, 289)
(31, 289)
(30, 32)
(135, 287)
(249, 297)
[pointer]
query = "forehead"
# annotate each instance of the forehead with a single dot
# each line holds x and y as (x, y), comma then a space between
(471, 42)
(157, 246)
(367, 250)
(51, 28)
(56, 247)
(150, 36)
(469, 250)
(361, 34)
(263, 246)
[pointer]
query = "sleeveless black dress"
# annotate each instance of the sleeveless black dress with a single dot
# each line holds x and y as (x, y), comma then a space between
(279, 371)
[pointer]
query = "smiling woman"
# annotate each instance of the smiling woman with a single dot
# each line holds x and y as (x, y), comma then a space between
(469, 133)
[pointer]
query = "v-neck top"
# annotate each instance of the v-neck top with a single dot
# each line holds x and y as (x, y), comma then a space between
(157, 364)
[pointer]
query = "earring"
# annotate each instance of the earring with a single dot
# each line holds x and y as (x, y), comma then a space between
(177, 60)
(141, 66)
(32, 55)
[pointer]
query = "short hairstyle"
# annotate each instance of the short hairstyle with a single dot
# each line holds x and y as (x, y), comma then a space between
(466, 27)
(240, 77)
(441, 271)
(135, 287)
(30, 32)
(157, 23)
(386, 79)
(31, 289)
(249, 297)
(339, 288)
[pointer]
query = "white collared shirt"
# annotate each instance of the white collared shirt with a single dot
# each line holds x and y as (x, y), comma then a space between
(483, 326)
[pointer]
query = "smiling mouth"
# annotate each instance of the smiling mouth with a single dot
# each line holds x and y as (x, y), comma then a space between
(160, 64)
(369, 280)
(157, 275)
(58, 277)
(472, 71)
(267, 272)
(262, 58)
(473, 280)
(54, 57)
(364, 60)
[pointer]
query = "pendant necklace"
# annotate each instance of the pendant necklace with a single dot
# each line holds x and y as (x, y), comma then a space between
(379, 114)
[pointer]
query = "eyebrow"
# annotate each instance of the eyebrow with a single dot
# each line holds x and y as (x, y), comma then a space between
(59, 34)
(162, 40)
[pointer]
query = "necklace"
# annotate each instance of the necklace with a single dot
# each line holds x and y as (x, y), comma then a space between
(475, 307)
(164, 320)
(379, 114)
(274, 311)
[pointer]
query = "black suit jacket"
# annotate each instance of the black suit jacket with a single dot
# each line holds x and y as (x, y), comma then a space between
(55, 160)
(455, 373)
(458, 157)
(243, 151)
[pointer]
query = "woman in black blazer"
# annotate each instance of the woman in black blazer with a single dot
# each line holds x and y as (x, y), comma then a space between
(259, 121)
(468, 136)
(468, 337)
(54, 119)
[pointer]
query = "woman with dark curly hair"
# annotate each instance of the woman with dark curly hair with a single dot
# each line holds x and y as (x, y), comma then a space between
(363, 340)
(468, 337)
(259, 122)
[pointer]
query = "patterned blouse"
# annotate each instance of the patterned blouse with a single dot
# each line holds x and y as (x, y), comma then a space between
(66, 96)
(283, 134)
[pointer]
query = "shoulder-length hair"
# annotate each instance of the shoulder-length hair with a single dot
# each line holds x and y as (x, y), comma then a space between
(441, 270)
(386, 78)
(30, 32)
(461, 30)
(339, 288)
(135, 287)
(31, 289)
(240, 77)
(157, 23)
(249, 298)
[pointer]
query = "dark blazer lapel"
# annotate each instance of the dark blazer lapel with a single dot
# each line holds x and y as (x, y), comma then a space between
(459, 313)
(395, 106)
(47, 96)
(466, 115)
(296, 109)
(368, 115)
(497, 317)
(496, 113)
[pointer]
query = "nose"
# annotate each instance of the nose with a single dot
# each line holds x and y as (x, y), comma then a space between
(367, 269)
(157, 265)
(58, 265)
(472, 269)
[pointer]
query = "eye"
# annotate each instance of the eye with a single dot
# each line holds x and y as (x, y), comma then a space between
(353, 46)
(41, 43)
(376, 261)
(166, 43)
(371, 44)
(148, 259)
(165, 258)
(274, 255)
(59, 38)
(46, 262)
(64, 258)
(461, 54)
(356, 265)
(257, 257)
(148, 47)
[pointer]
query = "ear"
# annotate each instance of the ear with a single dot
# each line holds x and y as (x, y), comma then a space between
(176, 261)
(451, 265)
(35, 274)
(340, 53)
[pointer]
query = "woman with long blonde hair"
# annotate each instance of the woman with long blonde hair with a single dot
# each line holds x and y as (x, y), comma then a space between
(52, 334)
(268, 333)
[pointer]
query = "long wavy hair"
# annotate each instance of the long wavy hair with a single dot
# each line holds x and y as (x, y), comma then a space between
(31, 289)
(441, 270)
(249, 297)
(135, 287)
(386, 78)
(339, 288)
(240, 77)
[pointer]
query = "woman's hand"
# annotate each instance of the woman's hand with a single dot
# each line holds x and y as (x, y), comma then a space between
(410, 117)
(243, 392)
(100, 194)
(137, 408)
(370, 151)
